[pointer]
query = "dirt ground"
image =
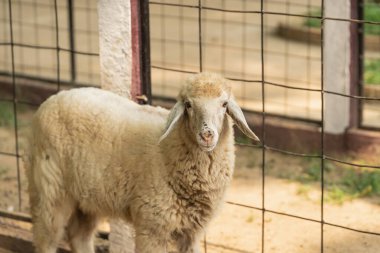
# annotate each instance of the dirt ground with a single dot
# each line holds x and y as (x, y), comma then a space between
(239, 229)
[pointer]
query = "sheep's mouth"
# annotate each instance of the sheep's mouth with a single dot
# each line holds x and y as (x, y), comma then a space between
(207, 148)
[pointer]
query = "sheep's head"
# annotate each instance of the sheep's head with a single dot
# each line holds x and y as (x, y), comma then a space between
(204, 103)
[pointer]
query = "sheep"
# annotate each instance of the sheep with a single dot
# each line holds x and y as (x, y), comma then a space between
(94, 154)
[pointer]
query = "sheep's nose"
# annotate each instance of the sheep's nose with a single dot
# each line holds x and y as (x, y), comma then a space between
(207, 135)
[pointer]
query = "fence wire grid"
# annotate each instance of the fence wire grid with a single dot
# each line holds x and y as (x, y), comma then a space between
(73, 62)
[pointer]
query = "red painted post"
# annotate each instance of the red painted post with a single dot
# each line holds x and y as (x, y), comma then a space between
(140, 87)
(356, 65)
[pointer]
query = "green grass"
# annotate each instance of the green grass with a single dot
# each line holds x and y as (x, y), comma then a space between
(342, 182)
(312, 172)
(336, 195)
(361, 182)
(371, 13)
(3, 171)
(242, 139)
(313, 22)
(354, 184)
(6, 114)
(372, 71)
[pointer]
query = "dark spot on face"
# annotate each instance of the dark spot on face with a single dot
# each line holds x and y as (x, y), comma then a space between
(47, 157)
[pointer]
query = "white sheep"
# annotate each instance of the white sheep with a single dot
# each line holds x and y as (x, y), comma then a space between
(94, 154)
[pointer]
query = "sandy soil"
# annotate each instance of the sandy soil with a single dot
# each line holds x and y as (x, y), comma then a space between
(238, 229)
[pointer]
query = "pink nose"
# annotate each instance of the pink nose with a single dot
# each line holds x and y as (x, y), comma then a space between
(207, 135)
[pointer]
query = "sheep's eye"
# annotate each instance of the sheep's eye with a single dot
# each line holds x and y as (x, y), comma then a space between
(187, 105)
(225, 104)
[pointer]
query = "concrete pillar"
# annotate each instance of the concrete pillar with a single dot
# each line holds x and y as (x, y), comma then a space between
(115, 45)
(115, 48)
(337, 59)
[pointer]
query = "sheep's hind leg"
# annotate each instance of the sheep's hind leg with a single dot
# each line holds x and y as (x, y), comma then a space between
(48, 228)
(81, 232)
(50, 210)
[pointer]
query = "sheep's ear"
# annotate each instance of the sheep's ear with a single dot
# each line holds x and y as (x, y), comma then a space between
(237, 115)
(175, 114)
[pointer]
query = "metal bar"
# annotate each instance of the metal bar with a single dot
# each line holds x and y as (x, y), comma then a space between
(48, 48)
(145, 51)
(243, 90)
(194, 6)
(15, 106)
(15, 216)
(352, 164)
(47, 80)
(36, 27)
(57, 45)
(70, 10)
(201, 70)
(286, 60)
(355, 75)
(281, 85)
(89, 40)
(360, 59)
(322, 129)
(27, 218)
(263, 126)
(9, 154)
(163, 45)
(308, 61)
(270, 13)
(200, 34)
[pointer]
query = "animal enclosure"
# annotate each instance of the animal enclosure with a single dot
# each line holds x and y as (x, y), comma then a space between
(274, 53)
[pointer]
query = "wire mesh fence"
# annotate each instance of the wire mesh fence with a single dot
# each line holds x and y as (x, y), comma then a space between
(41, 31)
(272, 51)
(231, 46)
(250, 43)
(41, 43)
(371, 56)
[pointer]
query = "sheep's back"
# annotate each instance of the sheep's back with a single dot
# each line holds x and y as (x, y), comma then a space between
(90, 137)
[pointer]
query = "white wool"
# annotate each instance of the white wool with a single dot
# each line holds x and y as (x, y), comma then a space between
(94, 154)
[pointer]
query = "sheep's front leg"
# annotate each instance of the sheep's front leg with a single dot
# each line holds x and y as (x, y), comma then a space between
(148, 243)
(187, 243)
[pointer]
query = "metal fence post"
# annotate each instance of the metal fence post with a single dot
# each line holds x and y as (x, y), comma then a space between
(140, 90)
(70, 7)
(357, 61)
